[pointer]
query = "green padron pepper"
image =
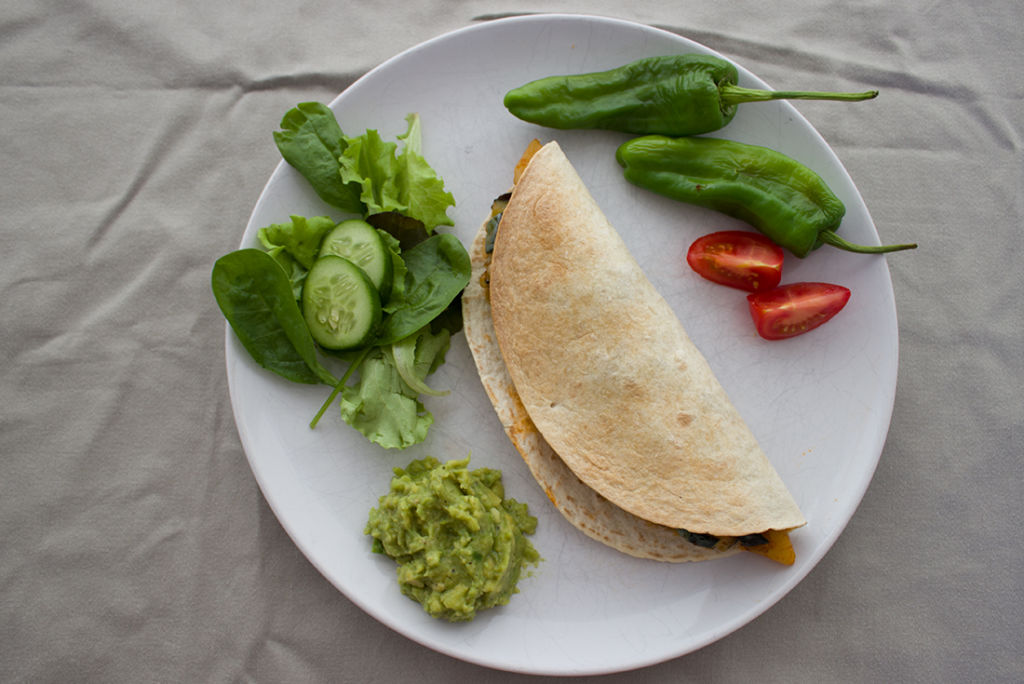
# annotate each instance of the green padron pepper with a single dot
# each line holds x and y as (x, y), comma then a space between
(776, 194)
(670, 95)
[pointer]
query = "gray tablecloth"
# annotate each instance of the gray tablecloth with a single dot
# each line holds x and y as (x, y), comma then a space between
(136, 545)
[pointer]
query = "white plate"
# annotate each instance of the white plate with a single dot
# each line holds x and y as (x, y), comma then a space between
(820, 404)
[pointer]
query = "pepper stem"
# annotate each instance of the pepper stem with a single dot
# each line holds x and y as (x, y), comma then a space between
(733, 94)
(829, 237)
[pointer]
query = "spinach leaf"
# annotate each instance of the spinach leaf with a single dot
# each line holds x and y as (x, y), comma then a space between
(450, 319)
(437, 271)
(296, 272)
(408, 231)
(255, 296)
(311, 141)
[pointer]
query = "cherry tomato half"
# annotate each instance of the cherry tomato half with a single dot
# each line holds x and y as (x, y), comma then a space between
(737, 258)
(794, 309)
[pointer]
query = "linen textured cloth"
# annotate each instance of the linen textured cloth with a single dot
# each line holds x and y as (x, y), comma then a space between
(135, 139)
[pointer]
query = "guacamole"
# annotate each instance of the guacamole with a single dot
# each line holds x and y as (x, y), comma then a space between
(459, 543)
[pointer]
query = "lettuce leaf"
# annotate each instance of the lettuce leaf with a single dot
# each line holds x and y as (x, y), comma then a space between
(398, 272)
(396, 181)
(301, 237)
(407, 355)
(294, 246)
(381, 405)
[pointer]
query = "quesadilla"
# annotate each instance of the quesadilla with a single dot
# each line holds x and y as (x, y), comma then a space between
(613, 408)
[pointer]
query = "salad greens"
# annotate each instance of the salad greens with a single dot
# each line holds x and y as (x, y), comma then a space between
(384, 405)
(295, 245)
(403, 198)
(311, 140)
(436, 272)
(404, 182)
(299, 240)
(256, 297)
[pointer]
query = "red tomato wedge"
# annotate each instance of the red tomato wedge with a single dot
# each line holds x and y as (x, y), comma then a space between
(737, 258)
(794, 309)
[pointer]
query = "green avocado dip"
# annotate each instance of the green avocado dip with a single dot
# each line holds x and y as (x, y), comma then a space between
(459, 543)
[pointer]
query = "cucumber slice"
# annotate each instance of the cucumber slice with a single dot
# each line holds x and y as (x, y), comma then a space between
(340, 304)
(360, 243)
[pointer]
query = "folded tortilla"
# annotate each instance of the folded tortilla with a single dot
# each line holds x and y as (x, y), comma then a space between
(615, 411)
